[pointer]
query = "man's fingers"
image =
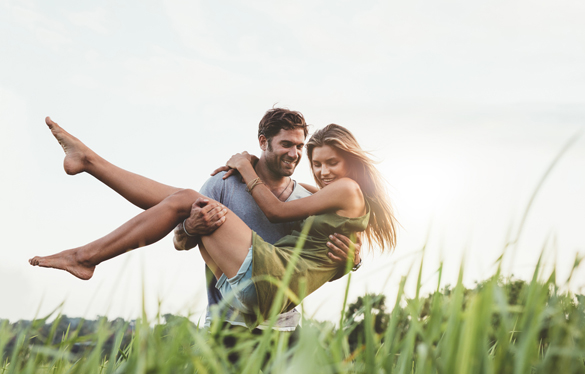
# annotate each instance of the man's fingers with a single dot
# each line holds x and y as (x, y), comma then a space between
(199, 205)
(219, 222)
(358, 239)
(345, 244)
(339, 243)
(342, 239)
(216, 213)
(333, 257)
(222, 212)
(336, 253)
(210, 212)
(200, 202)
(209, 208)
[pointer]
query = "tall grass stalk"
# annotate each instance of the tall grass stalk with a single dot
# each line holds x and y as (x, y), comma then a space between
(499, 326)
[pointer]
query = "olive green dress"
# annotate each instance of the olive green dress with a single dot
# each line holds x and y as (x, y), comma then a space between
(312, 267)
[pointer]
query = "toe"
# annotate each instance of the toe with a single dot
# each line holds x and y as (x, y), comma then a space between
(51, 123)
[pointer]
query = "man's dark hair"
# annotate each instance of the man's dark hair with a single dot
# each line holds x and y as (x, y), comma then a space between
(276, 119)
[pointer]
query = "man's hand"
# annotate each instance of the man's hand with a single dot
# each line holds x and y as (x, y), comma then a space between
(231, 171)
(339, 248)
(183, 242)
(206, 216)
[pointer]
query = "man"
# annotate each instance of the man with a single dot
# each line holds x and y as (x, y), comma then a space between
(281, 135)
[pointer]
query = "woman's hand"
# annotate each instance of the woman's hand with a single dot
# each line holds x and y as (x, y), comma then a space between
(240, 160)
(232, 164)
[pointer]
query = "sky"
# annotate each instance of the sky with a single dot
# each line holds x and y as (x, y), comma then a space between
(464, 104)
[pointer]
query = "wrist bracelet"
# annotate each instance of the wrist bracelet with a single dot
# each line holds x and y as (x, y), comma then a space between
(357, 266)
(186, 232)
(250, 186)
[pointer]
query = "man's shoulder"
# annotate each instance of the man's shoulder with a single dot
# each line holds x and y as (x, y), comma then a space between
(308, 187)
(299, 192)
(217, 181)
(221, 189)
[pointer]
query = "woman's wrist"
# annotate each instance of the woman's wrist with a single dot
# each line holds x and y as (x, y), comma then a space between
(255, 182)
(247, 172)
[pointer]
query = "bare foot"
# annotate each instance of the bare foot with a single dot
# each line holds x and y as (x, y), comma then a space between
(66, 260)
(76, 153)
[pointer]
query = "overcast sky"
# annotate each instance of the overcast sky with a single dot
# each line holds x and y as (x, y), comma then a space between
(464, 103)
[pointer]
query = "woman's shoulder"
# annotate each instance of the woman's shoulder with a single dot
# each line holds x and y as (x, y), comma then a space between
(347, 184)
(353, 198)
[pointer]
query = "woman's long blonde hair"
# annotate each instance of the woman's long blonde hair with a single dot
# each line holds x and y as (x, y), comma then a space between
(382, 226)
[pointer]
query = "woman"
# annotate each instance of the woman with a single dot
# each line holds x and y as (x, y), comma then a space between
(352, 199)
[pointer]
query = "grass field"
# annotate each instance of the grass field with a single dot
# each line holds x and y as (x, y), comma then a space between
(499, 326)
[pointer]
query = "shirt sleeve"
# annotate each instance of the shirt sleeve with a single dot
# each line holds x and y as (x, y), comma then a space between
(214, 187)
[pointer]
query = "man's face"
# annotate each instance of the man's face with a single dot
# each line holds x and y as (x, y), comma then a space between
(284, 151)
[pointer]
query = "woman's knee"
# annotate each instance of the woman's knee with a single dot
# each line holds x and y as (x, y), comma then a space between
(182, 200)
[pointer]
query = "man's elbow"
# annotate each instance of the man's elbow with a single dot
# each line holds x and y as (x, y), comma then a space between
(179, 244)
(183, 243)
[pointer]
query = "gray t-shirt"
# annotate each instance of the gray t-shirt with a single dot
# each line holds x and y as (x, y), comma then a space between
(232, 193)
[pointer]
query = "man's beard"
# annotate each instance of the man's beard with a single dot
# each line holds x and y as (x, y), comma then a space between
(274, 164)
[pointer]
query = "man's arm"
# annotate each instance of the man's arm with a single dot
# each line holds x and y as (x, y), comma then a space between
(182, 241)
(205, 215)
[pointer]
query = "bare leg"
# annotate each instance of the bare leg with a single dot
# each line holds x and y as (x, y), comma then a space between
(140, 191)
(227, 246)
(209, 261)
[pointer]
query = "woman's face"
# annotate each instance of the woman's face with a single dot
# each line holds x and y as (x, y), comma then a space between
(328, 165)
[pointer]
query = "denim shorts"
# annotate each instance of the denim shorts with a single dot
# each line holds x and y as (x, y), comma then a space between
(239, 291)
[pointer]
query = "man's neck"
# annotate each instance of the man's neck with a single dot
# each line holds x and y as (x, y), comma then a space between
(271, 180)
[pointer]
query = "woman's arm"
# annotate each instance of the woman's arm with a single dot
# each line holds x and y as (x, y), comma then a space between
(340, 246)
(343, 197)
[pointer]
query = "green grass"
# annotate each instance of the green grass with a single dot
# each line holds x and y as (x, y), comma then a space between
(499, 326)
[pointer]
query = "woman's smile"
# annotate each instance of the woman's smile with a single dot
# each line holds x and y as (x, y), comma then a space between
(328, 165)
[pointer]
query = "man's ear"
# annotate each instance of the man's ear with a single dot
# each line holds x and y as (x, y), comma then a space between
(263, 142)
